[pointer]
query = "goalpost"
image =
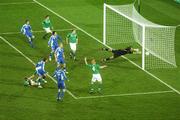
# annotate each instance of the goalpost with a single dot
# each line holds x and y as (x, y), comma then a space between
(123, 24)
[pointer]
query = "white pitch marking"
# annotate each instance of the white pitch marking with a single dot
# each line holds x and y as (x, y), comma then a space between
(127, 94)
(17, 3)
(6, 41)
(63, 18)
(38, 31)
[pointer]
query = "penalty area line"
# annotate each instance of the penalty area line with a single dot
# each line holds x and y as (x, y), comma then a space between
(7, 42)
(82, 30)
(37, 31)
(17, 3)
(127, 94)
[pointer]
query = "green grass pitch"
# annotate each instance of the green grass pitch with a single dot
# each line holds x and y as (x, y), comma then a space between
(128, 92)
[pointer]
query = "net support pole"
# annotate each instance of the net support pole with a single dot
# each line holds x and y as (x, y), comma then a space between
(104, 24)
(143, 47)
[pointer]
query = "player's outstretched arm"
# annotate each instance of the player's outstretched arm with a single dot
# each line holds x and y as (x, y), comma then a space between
(85, 60)
(103, 66)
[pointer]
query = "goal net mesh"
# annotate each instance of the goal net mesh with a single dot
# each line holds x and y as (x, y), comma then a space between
(123, 24)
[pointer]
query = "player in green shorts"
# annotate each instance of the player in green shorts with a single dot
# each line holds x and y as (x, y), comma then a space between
(47, 26)
(95, 74)
(72, 39)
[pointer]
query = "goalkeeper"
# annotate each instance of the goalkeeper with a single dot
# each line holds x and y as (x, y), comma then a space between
(119, 52)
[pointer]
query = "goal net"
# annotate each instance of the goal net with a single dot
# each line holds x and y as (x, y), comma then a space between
(124, 25)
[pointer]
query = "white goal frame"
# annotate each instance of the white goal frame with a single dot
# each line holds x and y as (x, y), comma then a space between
(138, 23)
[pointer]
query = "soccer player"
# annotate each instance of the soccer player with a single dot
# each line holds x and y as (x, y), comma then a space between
(119, 52)
(72, 39)
(29, 81)
(40, 71)
(47, 26)
(96, 75)
(59, 56)
(60, 76)
(27, 31)
(53, 43)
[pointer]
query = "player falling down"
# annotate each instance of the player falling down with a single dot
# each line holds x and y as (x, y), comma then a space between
(40, 72)
(72, 39)
(47, 26)
(53, 43)
(119, 52)
(60, 57)
(60, 76)
(96, 75)
(27, 31)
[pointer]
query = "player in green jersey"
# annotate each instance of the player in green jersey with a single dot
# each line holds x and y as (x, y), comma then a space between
(72, 39)
(95, 74)
(47, 26)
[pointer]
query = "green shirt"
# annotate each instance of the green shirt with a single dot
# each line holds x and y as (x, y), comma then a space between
(72, 38)
(46, 23)
(94, 67)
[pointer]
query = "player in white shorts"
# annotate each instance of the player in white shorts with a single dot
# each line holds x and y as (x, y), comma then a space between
(96, 77)
(47, 26)
(72, 39)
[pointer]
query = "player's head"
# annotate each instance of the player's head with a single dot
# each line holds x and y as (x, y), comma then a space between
(54, 33)
(47, 17)
(73, 31)
(130, 49)
(27, 21)
(93, 61)
(45, 59)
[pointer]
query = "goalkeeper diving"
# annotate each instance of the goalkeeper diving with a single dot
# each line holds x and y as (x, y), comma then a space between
(120, 52)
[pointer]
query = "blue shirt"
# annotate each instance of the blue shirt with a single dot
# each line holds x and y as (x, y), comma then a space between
(60, 75)
(53, 41)
(26, 29)
(59, 53)
(40, 66)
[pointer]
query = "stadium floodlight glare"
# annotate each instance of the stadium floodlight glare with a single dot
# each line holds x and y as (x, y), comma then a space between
(123, 24)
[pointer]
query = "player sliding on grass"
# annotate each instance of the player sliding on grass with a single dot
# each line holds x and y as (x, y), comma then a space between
(40, 72)
(119, 52)
(47, 26)
(27, 31)
(53, 43)
(60, 76)
(60, 57)
(96, 75)
(72, 39)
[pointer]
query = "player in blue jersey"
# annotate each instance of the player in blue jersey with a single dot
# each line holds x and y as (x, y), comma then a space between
(53, 43)
(40, 71)
(59, 56)
(27, 31)
(60, 76)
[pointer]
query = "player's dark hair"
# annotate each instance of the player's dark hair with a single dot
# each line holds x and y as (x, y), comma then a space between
(44, 77)
(129, 48)
(53, 32)
(44, 59)
(26, 20)
(46, 16)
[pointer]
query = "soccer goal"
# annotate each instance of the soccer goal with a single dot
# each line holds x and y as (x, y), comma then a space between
(123, 24)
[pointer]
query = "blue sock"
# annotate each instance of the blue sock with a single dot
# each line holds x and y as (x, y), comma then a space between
(31, 43)
(59, 94)
(50, 55)
(62, 94)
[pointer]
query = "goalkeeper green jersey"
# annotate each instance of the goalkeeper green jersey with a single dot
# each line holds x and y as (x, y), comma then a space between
(72, 38)
(46, 24)
(94, 67)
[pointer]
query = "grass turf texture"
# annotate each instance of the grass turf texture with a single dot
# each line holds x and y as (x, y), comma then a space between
(121, 77)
